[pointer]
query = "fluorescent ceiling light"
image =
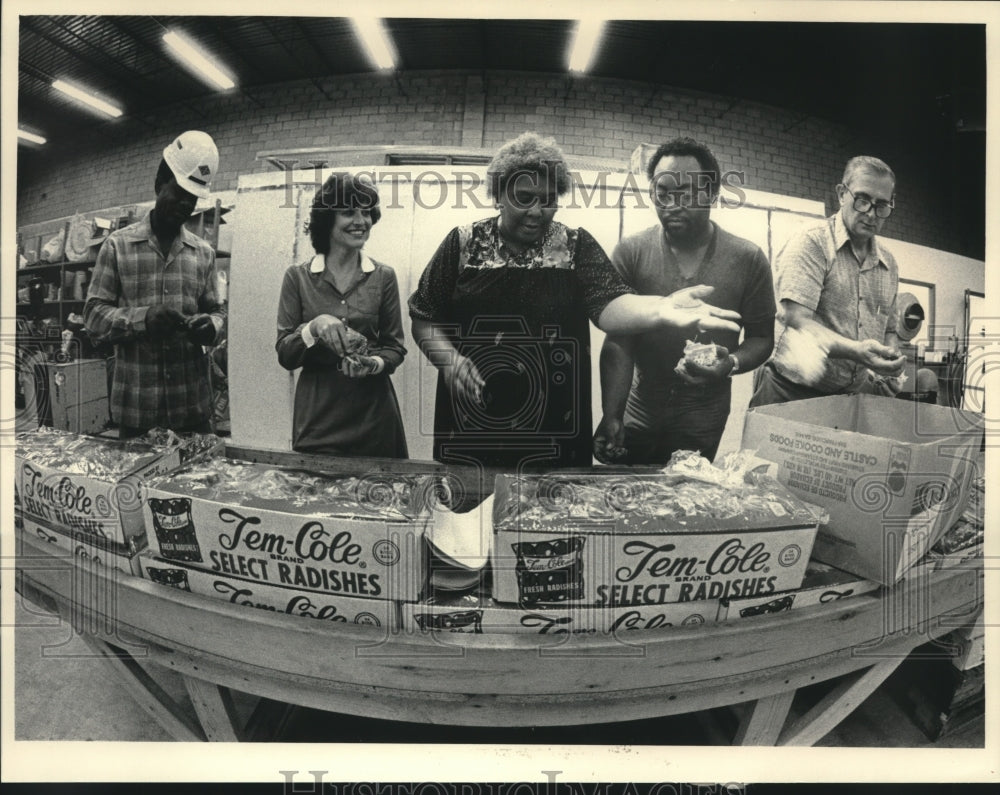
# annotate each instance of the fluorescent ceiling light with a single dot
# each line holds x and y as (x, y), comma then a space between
(24, 135)
(585, 40)
(375, 40)
(87, 98)
(198, 60)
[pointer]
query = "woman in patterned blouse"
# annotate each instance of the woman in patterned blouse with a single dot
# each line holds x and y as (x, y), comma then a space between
(503, 311)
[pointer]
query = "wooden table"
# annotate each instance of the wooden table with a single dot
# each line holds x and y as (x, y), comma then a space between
(498, 680)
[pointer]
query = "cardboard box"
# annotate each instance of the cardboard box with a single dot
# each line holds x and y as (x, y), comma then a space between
(78, 392)
(893, 474)
(273, 542)
(488, 617)
(624, 559)
(83, 545)
(292, 601)
(104, 509)
(821, 585)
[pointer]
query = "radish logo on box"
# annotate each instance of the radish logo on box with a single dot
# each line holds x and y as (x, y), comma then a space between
(459, 621)
(549, 571)
(175, 529)
(175, 578)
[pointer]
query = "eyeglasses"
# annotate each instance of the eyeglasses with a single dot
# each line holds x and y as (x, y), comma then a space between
(688, 196)
(863, 204)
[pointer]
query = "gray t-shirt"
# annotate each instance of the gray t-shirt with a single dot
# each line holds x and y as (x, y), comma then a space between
(741, 276)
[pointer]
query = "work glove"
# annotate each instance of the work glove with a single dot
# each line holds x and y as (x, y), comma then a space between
(162, 320)
(201, 329)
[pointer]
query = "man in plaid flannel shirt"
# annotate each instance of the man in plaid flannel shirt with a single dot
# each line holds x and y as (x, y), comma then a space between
(153, 295)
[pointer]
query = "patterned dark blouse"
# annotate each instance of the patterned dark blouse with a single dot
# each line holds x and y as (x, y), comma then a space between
(523, 319)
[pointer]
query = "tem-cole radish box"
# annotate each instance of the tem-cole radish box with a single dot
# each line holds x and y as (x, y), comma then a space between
(83, 545)
(643, 540)
(335, 608)
(105, 509)
(486, 616)
(822, 584)
(280, 543)
(37, 540)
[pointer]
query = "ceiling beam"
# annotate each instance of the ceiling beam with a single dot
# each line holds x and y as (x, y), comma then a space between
(79, 56)
(292, 54)
(308, 36)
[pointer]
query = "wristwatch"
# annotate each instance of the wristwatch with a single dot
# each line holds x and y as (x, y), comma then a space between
(736, 365)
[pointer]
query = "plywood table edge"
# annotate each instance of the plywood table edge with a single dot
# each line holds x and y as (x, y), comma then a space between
(599, 700)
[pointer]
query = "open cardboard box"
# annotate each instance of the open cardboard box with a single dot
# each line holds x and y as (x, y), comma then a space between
(893, 474)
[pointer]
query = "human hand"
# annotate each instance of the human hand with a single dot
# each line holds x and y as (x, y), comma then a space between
(697, 373)
(879, 358)
(200, 329)
(331, 332)
(162, 320)
(609, 440)
(358, 366)
(686, 308)
(463, 380)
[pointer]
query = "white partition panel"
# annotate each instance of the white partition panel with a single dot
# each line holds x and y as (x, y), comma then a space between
(264, 245)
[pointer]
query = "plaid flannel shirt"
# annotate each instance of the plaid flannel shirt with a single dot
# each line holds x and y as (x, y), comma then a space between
(157, 382)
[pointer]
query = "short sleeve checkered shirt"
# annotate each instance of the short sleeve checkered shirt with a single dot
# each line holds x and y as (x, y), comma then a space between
(817, 268)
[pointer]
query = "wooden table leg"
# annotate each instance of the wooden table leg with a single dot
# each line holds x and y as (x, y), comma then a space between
(216, 713)
(267, 723)
(762, 724)
(837, 705)
(144, 689)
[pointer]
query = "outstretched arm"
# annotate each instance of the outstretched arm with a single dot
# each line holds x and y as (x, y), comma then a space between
(630, 314)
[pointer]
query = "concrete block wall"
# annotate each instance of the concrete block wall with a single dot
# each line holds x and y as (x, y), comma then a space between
(779, 151)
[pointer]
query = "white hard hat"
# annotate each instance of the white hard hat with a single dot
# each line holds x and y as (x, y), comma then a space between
(194, 159)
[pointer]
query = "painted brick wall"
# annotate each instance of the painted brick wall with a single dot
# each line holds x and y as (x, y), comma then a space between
(778, 150)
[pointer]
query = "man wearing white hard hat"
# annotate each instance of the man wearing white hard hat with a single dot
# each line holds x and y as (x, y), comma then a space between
(153, 295)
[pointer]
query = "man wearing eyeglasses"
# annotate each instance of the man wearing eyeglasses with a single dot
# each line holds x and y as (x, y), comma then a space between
(836, 286)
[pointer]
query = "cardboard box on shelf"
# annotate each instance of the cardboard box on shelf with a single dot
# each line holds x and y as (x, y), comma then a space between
(78, 392)
(336, 608)
(314, 547)
(613, 555)
(893, 474)
(487, 616)
(822, 584)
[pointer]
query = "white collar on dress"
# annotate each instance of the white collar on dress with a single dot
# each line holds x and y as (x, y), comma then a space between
(318, 264)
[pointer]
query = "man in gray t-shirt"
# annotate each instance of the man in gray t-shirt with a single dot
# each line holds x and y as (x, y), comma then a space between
(651, 406)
